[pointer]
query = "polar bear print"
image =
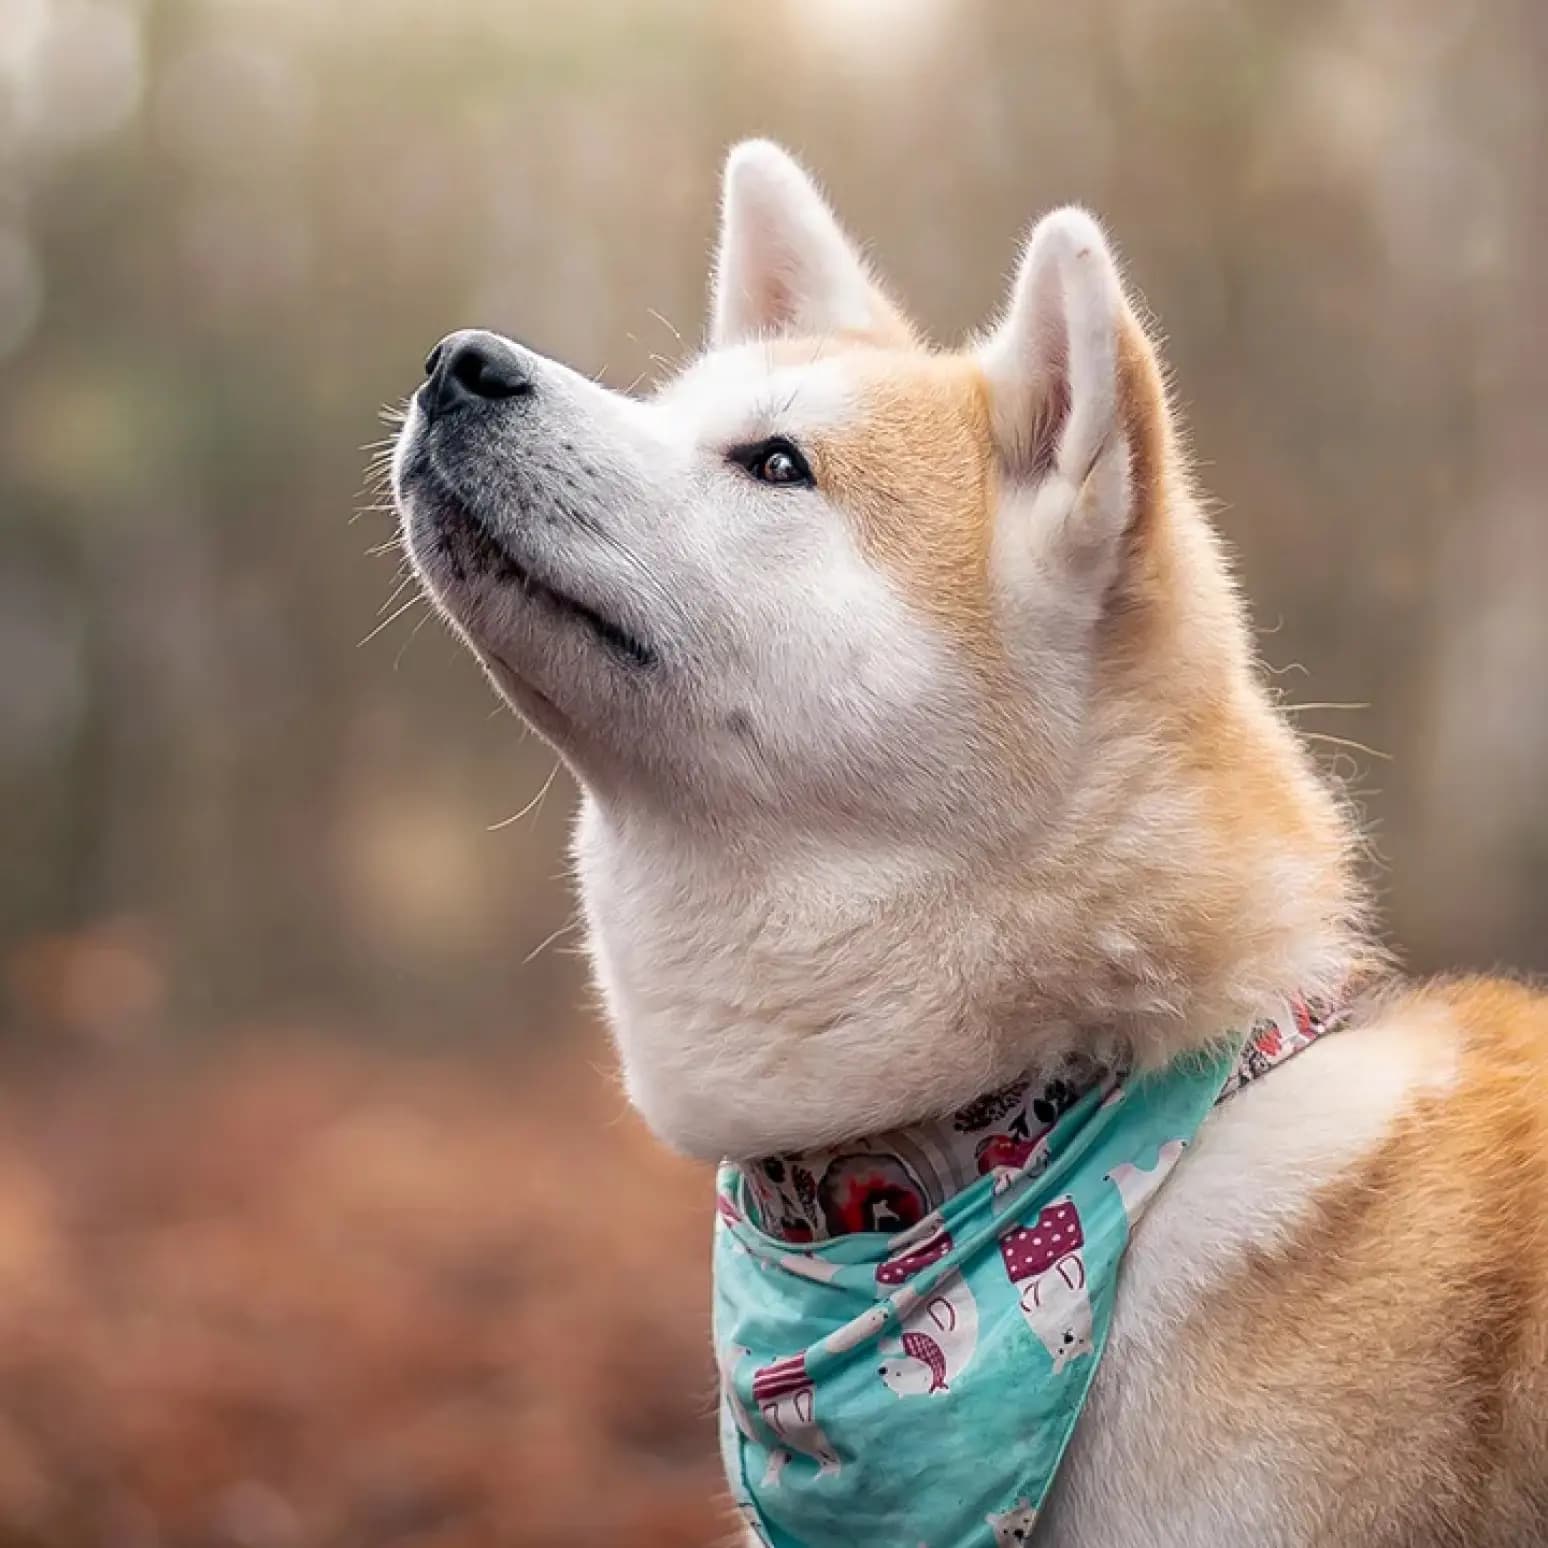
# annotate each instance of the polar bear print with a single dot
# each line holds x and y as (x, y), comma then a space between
(787, 1398)
(728, 1358)
(1044, 1261)
(937, 1328)
(1013, 1528)
(1138, 1185)
(935, 1342)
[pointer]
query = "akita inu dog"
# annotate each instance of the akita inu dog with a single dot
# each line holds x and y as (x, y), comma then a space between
(932, 792)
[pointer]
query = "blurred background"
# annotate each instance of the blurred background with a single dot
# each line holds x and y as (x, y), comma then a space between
(322, 1221)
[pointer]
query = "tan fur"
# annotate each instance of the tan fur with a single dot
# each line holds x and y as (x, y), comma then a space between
(1398, 1346)
(915, 470)
(916, 465)
(1183, 714)
(1396, 1350)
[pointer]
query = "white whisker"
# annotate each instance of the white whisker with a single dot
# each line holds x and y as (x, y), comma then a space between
(418, 596)
(531, 805)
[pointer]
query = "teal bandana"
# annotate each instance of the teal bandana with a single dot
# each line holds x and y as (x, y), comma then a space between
(917, 1387)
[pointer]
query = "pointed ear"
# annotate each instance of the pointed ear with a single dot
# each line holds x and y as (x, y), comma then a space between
(1078, 410)
(785, 265)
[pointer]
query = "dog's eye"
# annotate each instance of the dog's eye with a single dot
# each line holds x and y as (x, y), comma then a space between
(773, 462)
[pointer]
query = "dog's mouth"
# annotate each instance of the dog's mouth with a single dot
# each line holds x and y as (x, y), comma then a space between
(470, 547)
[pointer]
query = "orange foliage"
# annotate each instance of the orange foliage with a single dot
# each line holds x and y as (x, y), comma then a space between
(296, 1297)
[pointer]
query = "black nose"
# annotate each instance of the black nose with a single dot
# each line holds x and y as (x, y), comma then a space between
(472, 367)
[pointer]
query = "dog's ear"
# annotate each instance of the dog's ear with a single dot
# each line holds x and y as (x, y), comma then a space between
(1077, 406)
(784, 264)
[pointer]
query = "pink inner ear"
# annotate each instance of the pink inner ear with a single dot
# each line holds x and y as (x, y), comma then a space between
(775, 304)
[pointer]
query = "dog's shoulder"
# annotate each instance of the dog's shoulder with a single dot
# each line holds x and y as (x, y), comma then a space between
(1351, 1260)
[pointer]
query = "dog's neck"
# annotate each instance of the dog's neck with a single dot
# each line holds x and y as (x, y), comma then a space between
(1151, 867)
(891, 1182)
(772, 996)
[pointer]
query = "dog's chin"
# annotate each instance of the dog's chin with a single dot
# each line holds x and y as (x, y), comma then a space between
(537, 708)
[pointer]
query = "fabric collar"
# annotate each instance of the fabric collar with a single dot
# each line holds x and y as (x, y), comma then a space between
(907, 1328)
(891, 1181)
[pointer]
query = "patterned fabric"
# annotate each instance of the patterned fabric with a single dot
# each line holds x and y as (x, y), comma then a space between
(1030, 1251)
(914, 1379)
(892, 1181)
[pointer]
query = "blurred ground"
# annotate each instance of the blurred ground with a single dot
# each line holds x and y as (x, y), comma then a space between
(302, 1293)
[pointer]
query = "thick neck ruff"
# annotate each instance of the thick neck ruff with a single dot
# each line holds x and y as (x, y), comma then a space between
(907, 1327)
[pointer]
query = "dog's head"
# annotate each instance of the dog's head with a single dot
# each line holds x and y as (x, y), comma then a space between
(910, 695)
(825, 575)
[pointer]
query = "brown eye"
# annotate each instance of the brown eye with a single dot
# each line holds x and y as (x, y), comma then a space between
(773, 462)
